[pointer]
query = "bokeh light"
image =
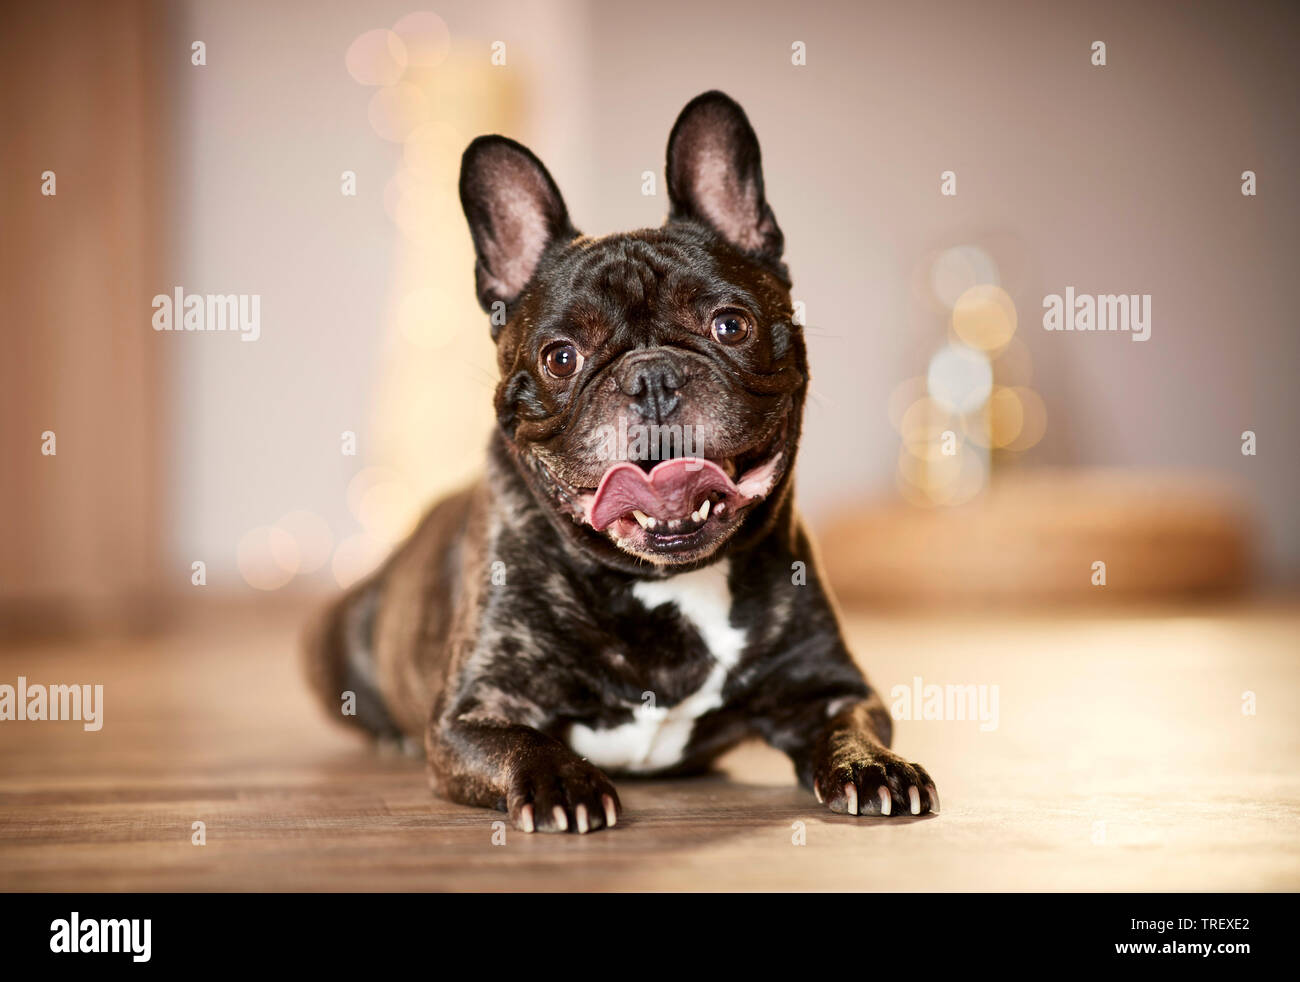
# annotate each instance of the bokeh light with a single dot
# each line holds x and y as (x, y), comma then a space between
(984, 317)
(384, 503)
(363, 481)
(312, 536)
(396, 111)
(960, 378)
(1034, 415)
(268, 557)
(956, 270)
(426, 37)
(357, 557)
(923, 425)
(377, 57)
(999, 421)
(905, 394)
(941, 479)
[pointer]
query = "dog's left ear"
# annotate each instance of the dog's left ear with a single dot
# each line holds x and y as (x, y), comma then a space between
(715, 176)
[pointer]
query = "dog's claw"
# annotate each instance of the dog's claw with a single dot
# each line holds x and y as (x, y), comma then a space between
(914, 799)
(886, 802)
(817, 793)
(933, 792)
(564, 795)
(851, 797)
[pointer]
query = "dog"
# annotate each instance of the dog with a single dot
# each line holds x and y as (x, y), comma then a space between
(603, 602)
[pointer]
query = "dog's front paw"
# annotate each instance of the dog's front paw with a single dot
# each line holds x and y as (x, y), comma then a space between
(561, 795)
(870, 780)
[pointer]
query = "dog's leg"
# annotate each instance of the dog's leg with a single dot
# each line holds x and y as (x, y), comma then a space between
(839, 748)
(542, 784)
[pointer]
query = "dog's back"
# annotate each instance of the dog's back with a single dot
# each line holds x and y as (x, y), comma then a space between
(415, 602)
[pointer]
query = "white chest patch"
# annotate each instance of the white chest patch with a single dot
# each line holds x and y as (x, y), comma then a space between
(656, 735)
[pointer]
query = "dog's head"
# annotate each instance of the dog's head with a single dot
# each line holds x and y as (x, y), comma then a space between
(652, 383)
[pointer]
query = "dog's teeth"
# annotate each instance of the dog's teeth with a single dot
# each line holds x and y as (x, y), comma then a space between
(652, 522)
(695, 516)
(675, 523)
(721, 505)
(704, 510)
(642, 519)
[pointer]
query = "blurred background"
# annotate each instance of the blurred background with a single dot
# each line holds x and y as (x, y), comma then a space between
(955, 452)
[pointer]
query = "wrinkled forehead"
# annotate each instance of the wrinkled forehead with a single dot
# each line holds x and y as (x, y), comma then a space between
(640, 280)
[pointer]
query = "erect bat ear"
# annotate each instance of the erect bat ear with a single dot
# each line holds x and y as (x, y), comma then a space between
(715, 176)
(515, 214)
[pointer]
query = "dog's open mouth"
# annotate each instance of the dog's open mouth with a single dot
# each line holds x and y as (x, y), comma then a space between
(677, 495)
(680, 503)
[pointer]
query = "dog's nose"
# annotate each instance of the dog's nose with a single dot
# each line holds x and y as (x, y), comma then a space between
(652, 379)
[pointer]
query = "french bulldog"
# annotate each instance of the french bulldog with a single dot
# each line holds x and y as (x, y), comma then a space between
(628, 590)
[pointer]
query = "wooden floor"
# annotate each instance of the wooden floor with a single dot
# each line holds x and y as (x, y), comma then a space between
(1121, 760)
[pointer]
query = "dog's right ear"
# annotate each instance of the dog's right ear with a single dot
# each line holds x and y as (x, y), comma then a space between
(515, 214)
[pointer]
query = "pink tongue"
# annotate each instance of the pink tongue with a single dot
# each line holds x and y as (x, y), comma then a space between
(672, 490)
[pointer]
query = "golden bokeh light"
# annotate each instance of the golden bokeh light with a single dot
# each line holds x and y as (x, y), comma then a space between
(930, 469)
(923, 425)
(905, 395)
(972, 476)
(1034, 413)
(941, 480)
(984, 317)
(999, 421)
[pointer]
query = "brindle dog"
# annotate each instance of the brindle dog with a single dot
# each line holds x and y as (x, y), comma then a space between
(598, 603)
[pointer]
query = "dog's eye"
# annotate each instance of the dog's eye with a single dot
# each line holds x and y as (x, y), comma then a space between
(561, 360)
(730, 327)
